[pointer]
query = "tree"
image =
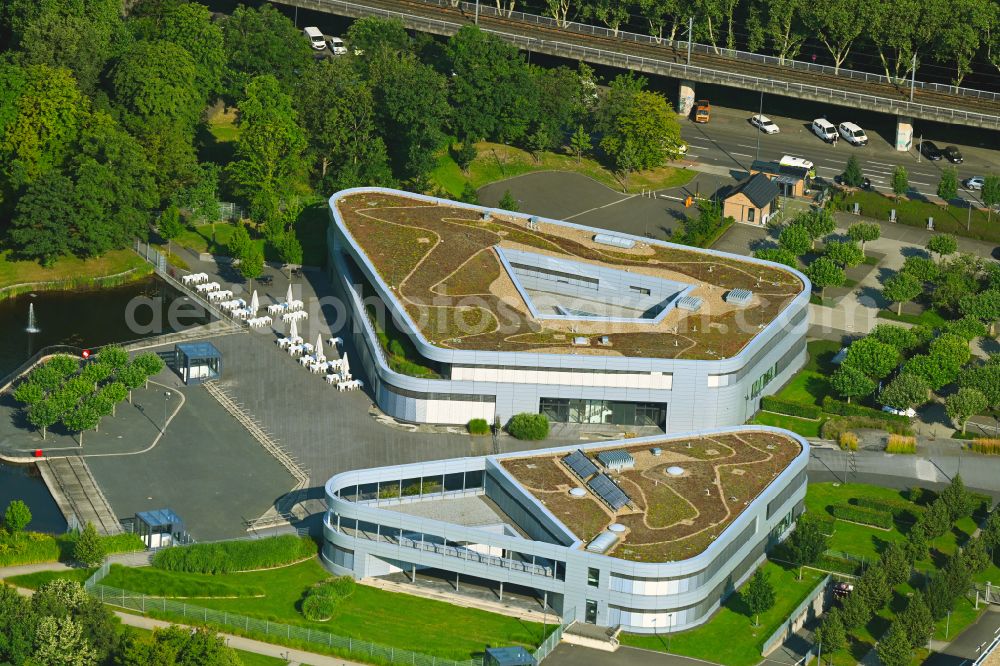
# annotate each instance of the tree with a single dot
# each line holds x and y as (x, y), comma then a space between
(818, 223)
(465, 154)
(967, 328)
(873, 587)
(44, 220)
(985, 379)
(896, 564)
(991, 191)
(508, 202)
(959, 38)
(855, 612)
(917, 621)
(639, 129)
(16, 517)
(902, 288)
(82, 417)
(778, 255)
(942, 245)
(831, 633)
(580, 142)
(795, 238)
(778, 24)
(170, 225)
(758, 594)
(29, 393)
(150, 363)
(900, 181)
(905, 391)
(369, 35)
(806, 542)
(875, 359)
(239, 242)
(190, 26)
(269, 151)
(844, 254)
(894, 648)
(263, 41)
(132, 376)
(984, 306)
(199, 198)
(850, 382)
(837, 25)
(903, 339)
(563, 97)
(921, 267)
(852, 175)
(936, 519)
(89, 549)
(289, 248)
(44, 415)
(947, 188)
(825, 273)
(864, 232)
(952, 349)
(957, 499)
(251, 263)
(155, 83)
(113, 356)
(60, 642)
(934, 369)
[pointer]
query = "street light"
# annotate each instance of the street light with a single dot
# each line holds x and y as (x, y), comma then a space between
(670, 628)
(166, 399)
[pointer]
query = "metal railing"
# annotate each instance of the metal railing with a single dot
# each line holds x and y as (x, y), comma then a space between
(670, 68)
(51, 350)
(708, 49)
(549, 644)
(786, 628)
(251, 626)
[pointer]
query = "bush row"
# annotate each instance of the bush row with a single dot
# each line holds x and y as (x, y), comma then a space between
(858, 514)
(837, 564)
(894, 506)
(833, 406)
(901, 444)
(773, 404)
(229, 556)
(838, 424)
(989, 447)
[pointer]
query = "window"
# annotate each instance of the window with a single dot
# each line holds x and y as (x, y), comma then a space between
(593, 577)
(566, 410)
(717, 381)
(750, 214)
(639, 290)
(763, 380)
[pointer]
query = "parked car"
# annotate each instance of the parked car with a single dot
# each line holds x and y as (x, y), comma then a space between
(866, 184)
(974, 183)
(315, 38)
(702, 111)
(954, 155)
(764, 124)
(909, 411)
(853, 134)
(824, 129)
(337, 46)
(930, 150)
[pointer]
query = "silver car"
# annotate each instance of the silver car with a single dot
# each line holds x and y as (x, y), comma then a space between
(765, 124)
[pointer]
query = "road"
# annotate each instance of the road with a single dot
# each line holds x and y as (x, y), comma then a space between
(729, 141)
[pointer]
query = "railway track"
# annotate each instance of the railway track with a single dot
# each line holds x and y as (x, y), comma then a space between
(459, 15)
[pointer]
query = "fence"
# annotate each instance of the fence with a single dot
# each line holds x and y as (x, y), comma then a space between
(550, 643)
(787, 627)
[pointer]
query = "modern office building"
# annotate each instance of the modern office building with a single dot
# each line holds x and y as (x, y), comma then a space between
(462, 312)
(648, 534)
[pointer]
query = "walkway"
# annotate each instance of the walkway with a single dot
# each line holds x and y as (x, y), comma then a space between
(77, 494)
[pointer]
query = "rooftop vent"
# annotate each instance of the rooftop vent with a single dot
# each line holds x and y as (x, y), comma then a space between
(487, 216)
(578, 492)
(604, 542)
(616, 460)
(617, 528)
(581, 341)
(614, 241)
(689, 303)
(674, 470)
(657, 451)
(739, 297)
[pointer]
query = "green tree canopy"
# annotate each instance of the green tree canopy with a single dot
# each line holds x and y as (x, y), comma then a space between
(89, 549)
(758, 594)
(905, 391)
(900, 181)
(864, 232)
(831, 633)
(189, 25)
(155, 82)
(261, 41)
(966, 402)
(371, 34)
(942, 245)
(825, 273)
(642, 133)
(899, 337)
(844, 254)
(902, 288)
(852, 172)
(16, 516)
(849, 382)
(795, 238)
(818, 223)
(875, 359)
(894, 648)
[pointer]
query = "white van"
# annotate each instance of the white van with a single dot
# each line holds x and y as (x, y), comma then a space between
(853, 134)
(315, 38)
(824, 129)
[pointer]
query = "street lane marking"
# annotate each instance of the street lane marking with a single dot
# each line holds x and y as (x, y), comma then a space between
(591, 210)
(740, 154)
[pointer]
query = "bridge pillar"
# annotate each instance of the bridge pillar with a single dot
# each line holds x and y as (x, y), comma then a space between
(685, 98)
(904, 133)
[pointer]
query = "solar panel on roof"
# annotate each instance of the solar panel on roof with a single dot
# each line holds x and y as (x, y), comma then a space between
(608, 491)
(581, 465)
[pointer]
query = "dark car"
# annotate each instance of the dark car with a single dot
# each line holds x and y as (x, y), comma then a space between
(953, 154)
(866, 184)
(929, 150)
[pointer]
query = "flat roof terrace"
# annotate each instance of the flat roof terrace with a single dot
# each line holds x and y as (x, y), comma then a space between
(448, 267)
(681, 498)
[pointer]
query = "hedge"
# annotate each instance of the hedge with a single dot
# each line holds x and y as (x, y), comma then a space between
(230, 556)
(896, 507)
(773, 404)
(837, 564)
(479, 427)
(858, 514)
(838, 424)
(834, 406)
(528, 426)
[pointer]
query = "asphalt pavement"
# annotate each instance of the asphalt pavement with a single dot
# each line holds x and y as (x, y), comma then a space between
(729, 141)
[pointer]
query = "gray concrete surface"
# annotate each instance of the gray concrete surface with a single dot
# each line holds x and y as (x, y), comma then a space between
(574, 655)
(967, 646)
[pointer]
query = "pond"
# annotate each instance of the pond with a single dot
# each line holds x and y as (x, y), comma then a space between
(24, 483)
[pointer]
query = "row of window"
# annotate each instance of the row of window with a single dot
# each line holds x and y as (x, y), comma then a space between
(425, 485)
(569, 410)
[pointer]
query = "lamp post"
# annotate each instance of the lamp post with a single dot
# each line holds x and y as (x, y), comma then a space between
(670, 628)
(166, 399)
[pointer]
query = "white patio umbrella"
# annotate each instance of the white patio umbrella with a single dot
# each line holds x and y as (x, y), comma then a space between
(254, 303)
(344, 367)
(288, 296)
(293, 330)
(319, 346)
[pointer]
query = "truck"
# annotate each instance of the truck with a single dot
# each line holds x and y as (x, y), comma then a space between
(702, 111)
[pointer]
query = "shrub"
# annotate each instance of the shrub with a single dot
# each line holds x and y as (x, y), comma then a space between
(901, 444)
(479, 427)
(230, 556)
(89, 549)
(896, 507)
(838, 424)
(989, 447)
(772, 404)
(834, 406)
(340, 587)
(388, 492)
(865, 516)
(318, 607)
(528, 426)
(848, 441)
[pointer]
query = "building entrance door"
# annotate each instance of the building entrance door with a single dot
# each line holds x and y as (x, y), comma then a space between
(591, 615)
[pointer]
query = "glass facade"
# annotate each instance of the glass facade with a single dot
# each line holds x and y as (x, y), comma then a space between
(569, 410)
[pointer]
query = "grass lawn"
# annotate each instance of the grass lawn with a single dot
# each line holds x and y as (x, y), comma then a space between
(33, 581)
(729, 637)
(497, 162)
(914, 212)
(398, 620)
(804, 427)
(70, 268)
(807, 387)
